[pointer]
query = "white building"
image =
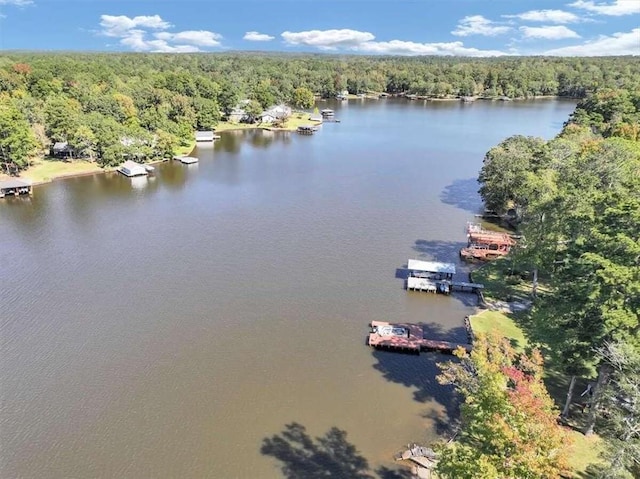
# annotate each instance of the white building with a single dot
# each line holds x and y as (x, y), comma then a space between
(131, 168)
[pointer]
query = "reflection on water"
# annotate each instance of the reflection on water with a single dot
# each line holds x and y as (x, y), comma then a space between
(138, 182)
(166, 327)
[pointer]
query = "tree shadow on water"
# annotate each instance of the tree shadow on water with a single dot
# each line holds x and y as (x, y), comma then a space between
(435, 250)
(463, 194)
(330, 455)
(419, 373)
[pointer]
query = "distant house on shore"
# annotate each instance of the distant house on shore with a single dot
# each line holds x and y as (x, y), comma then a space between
(61, 149)
(316, 117)
(237, 115)
(275, 113)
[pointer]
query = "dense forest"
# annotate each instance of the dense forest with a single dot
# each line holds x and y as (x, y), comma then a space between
(111, 106)
(576, 201)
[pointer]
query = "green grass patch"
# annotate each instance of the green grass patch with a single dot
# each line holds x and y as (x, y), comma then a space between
(584, 450)
(292, 124)
(488, 321)
(504, 281)
(47, 169)
(228, 125)
(185, 148)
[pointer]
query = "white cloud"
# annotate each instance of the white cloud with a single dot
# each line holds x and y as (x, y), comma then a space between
(134, 34)
(201, 38)
(17, 3)
(137, 42)
(617, 8)
(327, 39)
(549, 16)
(364, 42)
(399, 47)
(621, 43)
(478, 25)
(117, 26)
(556, 32)
(257, 37)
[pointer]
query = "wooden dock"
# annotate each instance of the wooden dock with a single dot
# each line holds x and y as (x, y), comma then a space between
(407, 338)
(442, 286)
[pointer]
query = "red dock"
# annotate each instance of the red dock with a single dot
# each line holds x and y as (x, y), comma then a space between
(407, 337)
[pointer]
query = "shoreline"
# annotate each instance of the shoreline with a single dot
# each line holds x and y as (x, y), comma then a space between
(90, 168)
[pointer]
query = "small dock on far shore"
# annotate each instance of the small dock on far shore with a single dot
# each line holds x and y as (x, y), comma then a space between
(307, 129)
(407, 338)
(187, 160)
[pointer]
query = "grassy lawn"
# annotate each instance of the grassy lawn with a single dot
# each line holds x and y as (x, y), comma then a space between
(186, 149)
(583, 452)
(47, 169)
(488, 321)
(227, 125)
(501, 284)
(292, 123)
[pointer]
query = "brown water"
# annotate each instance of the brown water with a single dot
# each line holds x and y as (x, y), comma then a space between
(163, 327)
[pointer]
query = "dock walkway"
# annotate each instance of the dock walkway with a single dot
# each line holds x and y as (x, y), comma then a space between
(408, 338)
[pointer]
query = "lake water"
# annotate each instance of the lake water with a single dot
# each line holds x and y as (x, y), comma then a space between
(164, 327)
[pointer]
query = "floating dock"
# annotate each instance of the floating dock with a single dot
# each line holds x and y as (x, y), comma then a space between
(187, 160)
(407, 338)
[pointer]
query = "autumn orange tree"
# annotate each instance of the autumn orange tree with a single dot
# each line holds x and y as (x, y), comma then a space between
(509, 427)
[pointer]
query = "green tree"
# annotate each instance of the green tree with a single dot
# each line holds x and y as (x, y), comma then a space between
(253, 109)
(303, 98)
(84, 142)
(507, 171)
(62, 117)
(263, 94)
(620, 402)
(508, 419)
(207, 113)
(17, 141)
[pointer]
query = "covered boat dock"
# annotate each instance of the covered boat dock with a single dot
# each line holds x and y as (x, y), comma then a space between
(14, 187)
(436, 277)
(430, 276)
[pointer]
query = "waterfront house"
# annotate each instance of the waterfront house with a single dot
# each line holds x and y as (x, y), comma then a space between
(275, 113)
(61, 149)
(131, 168)
(237, 115)
(316, 117)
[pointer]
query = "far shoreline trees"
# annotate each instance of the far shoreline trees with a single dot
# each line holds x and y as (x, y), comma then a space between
(94, 101)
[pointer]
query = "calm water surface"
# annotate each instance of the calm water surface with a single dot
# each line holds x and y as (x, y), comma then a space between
(163, 327)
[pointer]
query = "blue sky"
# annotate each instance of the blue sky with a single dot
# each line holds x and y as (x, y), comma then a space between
(399, 27)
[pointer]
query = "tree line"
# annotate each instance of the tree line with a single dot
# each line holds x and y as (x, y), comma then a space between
(576, 201)
(155, 101)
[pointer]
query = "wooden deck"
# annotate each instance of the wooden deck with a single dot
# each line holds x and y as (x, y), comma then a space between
(408, 338)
